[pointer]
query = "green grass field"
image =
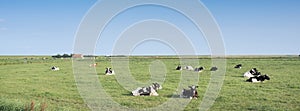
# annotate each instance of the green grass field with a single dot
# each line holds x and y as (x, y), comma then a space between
(30, 82)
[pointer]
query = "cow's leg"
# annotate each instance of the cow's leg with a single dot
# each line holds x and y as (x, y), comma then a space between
(254, 80)
(154, 94)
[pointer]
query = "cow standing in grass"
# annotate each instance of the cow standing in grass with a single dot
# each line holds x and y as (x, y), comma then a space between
(148, 91)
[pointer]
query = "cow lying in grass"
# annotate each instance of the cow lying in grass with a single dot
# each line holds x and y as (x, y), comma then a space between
(200, 69)
(252, 73)
(239, 66)
(190, 93)
(213, 68)
(93, 65)
(54, 68)
(178, 67)
(259, 78)
(148, 91)
(109, 71)
(188, 68)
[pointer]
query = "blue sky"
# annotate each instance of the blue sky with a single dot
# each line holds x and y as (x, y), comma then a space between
(48, 27)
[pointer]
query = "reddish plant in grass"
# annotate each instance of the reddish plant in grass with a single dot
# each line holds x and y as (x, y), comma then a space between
(43, 106)
(32, 106)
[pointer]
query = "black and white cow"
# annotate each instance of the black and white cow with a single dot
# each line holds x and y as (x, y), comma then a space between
(189, 68)
(200, 69)
(190, 93)
(109, 71)
(252, 73)
(239, 66)
(54, 68)
(178, 67)
(149, 91)
(213, 68)
(259, 78)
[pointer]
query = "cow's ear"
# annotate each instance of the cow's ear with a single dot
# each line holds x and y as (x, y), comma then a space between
(197, 86)
(190, 86)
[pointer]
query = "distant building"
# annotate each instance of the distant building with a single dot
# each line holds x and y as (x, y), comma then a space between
(78, 56)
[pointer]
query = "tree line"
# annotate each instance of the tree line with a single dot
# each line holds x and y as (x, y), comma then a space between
(62, 56)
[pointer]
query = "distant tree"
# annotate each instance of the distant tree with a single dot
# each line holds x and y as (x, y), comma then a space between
(57, 56)
(66, 56)
(62, 56)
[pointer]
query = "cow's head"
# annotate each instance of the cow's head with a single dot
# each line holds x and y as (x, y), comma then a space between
(201, 68)
(253, 71)
(193, 87)
(194, 91)
(266, 77)
(156, 86)
(257, 73)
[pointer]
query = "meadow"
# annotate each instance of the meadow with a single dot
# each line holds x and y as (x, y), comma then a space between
(28, 83)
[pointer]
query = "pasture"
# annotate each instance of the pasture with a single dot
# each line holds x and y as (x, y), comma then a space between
(28, 81)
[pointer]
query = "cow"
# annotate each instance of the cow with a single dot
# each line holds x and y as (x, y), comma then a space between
(147, 91)
(190, 93)
(54, 68)
(109, 71)
(213, 68)
(200, 69)
(93, 65)
(239, 66)
(252, 73)
(259, 78)
(189, 68)
(178, 67)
